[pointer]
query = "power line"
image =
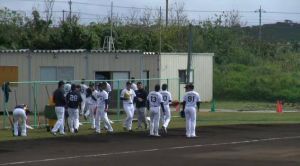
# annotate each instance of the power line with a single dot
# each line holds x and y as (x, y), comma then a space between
(144, 8)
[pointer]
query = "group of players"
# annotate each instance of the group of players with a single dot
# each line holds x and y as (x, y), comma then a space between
(93, 101)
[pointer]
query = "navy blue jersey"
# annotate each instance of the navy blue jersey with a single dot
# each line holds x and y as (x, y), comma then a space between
(59, 98)
(73, 99)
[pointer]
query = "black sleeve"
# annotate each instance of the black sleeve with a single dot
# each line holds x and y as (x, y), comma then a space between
(145, 95)
(162, 106)
(198, 105)
(94, 98)
(183, 105)
(68, 97)
(80, 98)
(148, 104)
(135, 99)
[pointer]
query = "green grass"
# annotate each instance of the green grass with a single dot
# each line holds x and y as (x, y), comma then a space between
(251, 106)
(204, 119)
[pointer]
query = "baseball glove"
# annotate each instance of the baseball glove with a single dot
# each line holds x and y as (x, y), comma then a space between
(127, 96)
(182, 113)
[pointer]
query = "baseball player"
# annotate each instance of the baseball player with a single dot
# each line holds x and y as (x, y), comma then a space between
(83, 89)
(141, 100)
(155, 101)
(67, 88)
(74, 100)
(60, 103)
(127, 96)
(91, 110)
(167, 99)
(102, 108)
(20, 113)
(190, 100)
(133, 85)
(107, 88)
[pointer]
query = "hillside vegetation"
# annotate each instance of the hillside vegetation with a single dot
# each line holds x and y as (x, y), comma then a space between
(245, 68)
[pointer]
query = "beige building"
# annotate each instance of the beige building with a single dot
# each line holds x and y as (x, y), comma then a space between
(48, 66)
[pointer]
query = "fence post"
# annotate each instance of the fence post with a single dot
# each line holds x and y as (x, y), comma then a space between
(168, 82)
(178, 89)
(4, 106)
(213, 106)
(118, 101)
(4, 112)
(35, 104)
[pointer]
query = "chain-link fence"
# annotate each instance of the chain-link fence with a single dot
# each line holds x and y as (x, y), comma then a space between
(38, 96)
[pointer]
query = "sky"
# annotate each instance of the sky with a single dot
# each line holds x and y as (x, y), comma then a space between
(90, 11)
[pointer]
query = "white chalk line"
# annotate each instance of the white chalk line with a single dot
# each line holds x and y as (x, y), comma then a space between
(150, 150)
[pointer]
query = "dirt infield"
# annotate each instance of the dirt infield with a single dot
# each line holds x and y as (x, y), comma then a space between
(233, 145)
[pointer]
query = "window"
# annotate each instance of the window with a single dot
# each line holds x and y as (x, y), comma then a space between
(183, 76)
(56, 73)
(8, 74)
(124, 76)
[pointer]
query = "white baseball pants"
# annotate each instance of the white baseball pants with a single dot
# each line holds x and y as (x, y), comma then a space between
(190, 117)
(19, 114)
(60, 123)
(102, 115)
(73, 119)
(154, 120)
(166, 117)
(129, 109)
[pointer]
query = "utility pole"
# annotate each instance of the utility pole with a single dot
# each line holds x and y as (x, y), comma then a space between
(260, 11)
(167, 12)
(63, 15)
(108, 43)
(111, 28)
(188, 74)
(70, 9)
(159, 30)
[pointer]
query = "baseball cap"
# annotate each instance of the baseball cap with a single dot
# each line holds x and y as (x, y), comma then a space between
(189, 85)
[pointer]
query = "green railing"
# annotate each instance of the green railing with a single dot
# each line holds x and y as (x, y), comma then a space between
(36, 94)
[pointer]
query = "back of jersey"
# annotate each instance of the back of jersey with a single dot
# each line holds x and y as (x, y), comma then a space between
(154, 99)
(166, 96)
(73, 99)
(83, 89)
(191, 98)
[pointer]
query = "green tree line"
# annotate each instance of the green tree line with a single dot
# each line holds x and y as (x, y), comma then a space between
(245, 68)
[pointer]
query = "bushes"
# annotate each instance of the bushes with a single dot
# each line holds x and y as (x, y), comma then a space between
(264, 82)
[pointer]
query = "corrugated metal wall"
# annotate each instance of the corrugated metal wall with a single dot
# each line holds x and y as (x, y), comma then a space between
(202, 64)
(21, 91)
(85, 65)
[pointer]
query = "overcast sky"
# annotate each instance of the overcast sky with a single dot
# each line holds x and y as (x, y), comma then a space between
(89, 11)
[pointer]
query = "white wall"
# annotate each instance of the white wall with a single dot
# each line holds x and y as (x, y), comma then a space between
(202, 64)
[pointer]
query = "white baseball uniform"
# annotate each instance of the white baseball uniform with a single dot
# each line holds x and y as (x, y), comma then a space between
(83, 89)
(19, 114)
(167, 98)
(191, 98)
(155, 99)
(108, 88)
(134, 86)
(67, 88)
(91, 109)
(128, 107)
(101, 113)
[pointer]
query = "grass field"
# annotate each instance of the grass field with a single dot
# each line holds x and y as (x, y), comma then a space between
(204, 119)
